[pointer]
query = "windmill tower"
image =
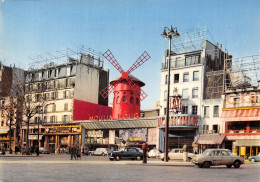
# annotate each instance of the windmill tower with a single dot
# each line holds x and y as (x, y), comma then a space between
(127, 89)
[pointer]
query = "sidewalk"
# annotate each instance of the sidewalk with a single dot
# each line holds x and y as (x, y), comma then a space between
(17, 155)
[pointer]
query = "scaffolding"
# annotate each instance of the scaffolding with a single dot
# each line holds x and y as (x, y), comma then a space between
(191, 40)
(242, 72)
(62, 56)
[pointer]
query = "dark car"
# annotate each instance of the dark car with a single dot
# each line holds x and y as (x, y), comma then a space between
(43, 150)
(126, 153)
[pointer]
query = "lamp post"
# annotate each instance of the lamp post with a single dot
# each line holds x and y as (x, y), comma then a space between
(168, 35)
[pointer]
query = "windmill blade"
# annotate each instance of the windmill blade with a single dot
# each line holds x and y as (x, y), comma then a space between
(106, 91)
(137, 89)
(110, 57)
(141, 60)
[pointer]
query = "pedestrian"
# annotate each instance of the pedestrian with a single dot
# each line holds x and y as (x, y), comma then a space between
(82, 150)
(73, 153)
(78, 153)
(3, 151)
(144, 148)
(32, 150)
(58, 150)
(37, 150)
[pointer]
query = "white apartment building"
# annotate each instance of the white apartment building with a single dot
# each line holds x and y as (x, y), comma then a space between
(197, 77)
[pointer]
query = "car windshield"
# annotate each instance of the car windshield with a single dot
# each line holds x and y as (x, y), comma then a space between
(206, 152)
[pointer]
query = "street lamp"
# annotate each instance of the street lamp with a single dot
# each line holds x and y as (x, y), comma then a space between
(168, 36)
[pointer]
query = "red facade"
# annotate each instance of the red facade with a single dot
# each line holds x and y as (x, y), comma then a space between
(90, 111)
(126, 102)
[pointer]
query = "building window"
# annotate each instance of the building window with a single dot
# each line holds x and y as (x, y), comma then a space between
(215, 128)
(65, 118)
(52, 119)
(137, 100)
(205, 128)
(195, 93)
(206, 111)
(177, 62)
(216, 111)
(53, 95)
(195, 76)
(194, 109)
(65, 94)
(184, 109)
(131, 100)
(185, 93)
(65, 106)
(176, 78)
(165, 95)
(67, 82)
(164, 111)
(45, 119)
(185, 77)
(166, 79)
(117, 100)
(54, 108)
(191, 60)
(124, 99)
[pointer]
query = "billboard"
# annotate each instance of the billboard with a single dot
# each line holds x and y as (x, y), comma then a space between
(133, 135)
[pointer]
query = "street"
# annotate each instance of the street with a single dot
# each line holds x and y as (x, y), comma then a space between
(61, 168)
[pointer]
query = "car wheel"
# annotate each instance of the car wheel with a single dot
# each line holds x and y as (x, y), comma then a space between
(188, 159)
(229, 166)
(90, 154)
(103, 154)
(162, 159)
(206, 164)
(138, 158)
(253, 160)
(237, 164)
(117, 158)
(200, 165)
(111, 159)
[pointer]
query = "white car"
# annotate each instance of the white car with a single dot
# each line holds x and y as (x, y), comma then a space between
(177, 154)
(154, 153)
(214, 157)
(99, 151)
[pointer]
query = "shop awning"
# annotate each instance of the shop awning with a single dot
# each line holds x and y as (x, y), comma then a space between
(120, 124)
(209, 139)
(240, 114)
(4, 130)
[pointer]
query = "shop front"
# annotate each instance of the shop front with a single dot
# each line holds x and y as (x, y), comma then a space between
(62, 136)
(119, 133)
(242, 130)
(182, 130)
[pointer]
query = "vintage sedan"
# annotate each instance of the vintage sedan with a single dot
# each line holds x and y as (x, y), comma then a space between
(99, 151)
(43, 150)
(126, 153)
(154, 153)
(177, 154)
(254, 158)
(214, 157)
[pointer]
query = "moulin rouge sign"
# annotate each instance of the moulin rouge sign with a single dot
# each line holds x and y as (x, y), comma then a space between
(243, 98)
(109, 117)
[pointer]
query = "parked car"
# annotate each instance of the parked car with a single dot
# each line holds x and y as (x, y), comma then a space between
(177, 154)
(126, 153)
(155, 153)
(254, 158)
(43, 150)
(214, 157)
(99, 151)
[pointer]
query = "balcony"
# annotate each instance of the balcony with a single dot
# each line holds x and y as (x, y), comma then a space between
(210, 131)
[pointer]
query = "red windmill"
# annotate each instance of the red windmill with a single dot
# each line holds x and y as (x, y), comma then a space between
(127, 89)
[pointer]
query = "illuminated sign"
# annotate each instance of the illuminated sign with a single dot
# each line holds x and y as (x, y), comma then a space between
(109, 117)
(242, 99)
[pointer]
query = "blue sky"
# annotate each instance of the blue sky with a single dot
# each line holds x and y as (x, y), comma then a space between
(127, 28)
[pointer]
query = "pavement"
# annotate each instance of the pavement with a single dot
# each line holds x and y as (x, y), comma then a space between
(65, 159)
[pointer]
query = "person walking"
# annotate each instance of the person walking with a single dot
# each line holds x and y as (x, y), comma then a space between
(78, 153)
(73, 153)
(144, 148)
